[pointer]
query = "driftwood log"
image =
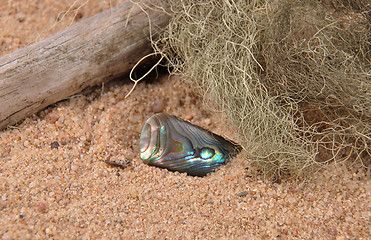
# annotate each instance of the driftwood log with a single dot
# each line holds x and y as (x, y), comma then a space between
(88, 53)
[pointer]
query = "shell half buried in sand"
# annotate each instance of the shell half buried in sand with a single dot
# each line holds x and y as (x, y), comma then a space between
(177, 145)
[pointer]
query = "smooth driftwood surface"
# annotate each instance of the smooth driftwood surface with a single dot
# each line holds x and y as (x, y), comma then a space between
(88, 53)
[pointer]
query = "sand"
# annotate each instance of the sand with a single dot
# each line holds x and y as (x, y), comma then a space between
(54, 182)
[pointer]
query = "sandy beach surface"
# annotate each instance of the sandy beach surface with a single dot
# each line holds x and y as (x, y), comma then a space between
(55, 184)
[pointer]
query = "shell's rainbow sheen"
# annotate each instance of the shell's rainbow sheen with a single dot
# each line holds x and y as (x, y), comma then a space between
(172, 143)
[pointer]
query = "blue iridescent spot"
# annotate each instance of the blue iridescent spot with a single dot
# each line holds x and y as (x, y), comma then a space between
(172, 143)
(207, 153)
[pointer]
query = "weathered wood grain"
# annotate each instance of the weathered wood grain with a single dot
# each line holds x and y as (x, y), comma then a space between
(86, 54)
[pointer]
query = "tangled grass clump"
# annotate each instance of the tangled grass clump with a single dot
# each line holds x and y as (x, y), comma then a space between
(292, 76)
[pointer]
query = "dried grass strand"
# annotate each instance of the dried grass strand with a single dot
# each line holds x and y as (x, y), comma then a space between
(293, 77)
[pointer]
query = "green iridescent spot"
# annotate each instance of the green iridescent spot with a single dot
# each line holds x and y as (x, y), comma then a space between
(172, 143)
(207, 153)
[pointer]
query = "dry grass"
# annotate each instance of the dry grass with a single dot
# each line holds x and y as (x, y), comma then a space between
(292, 76)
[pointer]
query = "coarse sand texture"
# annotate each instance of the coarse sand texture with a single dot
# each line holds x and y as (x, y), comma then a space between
(55, 183)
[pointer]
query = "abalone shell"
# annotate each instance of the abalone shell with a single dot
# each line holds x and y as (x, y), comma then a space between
(172, 143)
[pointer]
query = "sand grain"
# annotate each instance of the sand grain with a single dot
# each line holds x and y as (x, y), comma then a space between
(69, 192)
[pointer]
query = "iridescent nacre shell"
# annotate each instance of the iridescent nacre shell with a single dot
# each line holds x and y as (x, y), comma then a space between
(169, 142)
